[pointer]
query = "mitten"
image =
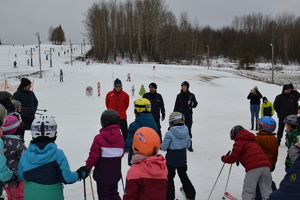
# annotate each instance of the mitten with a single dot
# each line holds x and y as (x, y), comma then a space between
(83, 172)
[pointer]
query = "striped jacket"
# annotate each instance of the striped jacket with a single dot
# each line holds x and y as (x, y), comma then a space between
(105, 155)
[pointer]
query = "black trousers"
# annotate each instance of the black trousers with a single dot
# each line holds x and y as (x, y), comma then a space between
(186, 183)
(124, 128)
(280, 130)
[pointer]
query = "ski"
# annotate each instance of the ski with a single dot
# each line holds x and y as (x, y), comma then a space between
(229, 196)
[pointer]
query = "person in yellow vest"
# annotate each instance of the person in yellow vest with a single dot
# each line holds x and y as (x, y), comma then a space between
(267, 108)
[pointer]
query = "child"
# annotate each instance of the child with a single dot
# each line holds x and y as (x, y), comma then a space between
(176, 141)
(267, 108)
(267, 140)
(43, 166)
(294, 150)
(291, 125)
(257, 166)
(142, 110)
(147, 177)
(105, 154)
(14, 148)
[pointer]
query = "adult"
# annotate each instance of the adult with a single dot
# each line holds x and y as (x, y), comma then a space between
(157, 105)
(118, 100)
(29, 103)
(294, 92)
(61, 76)
(254, 97)
(285, 104)
(185, 102)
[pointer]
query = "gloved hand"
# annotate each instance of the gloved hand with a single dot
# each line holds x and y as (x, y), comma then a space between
(237, 163)
(14, 178)
(83, 172)
(227, 154)
(163, 116)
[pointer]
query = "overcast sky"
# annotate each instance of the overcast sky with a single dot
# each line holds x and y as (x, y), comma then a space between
(21, 19)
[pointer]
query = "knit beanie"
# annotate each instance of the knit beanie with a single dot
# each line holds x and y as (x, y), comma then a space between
(11, 124)
(285, 87)
(117, 82)
(25, 82)
(264, 98)
(186, 84)
(153, 85)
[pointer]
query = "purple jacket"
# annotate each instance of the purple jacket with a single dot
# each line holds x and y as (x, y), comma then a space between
(105, 155)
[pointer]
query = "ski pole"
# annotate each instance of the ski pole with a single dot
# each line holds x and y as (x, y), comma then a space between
(216, 181)
(84, 189)
(227, 181)
(92, 187)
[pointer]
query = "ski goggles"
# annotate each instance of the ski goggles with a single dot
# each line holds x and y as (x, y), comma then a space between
(46, 128)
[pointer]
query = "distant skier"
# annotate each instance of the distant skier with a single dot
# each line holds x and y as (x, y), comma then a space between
(132, 90)
(128, 77)
(61, 76)
(15, 64)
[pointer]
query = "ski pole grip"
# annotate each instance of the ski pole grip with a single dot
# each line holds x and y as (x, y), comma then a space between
(228, 153)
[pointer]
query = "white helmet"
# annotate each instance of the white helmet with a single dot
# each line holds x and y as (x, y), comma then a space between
(43, 126)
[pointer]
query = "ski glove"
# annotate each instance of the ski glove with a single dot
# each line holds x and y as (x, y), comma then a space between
(227, 154)
(83, 172)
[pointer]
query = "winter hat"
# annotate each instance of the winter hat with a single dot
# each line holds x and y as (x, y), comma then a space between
(186, 84)
(291, 86)
(265, 98)
(11, 124)
(25, 82)
(153, 85)
(285, 87)
(117, 82)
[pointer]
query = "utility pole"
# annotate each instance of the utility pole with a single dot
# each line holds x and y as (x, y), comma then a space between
(50, 53)
(272, 62)
(31, 54)
(207, 56)
(40, 61)
(71, 48)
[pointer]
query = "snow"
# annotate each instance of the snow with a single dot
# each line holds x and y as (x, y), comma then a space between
(222, 97)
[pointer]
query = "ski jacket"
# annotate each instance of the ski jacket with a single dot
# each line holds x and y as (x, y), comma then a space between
(294, 152)
(176, 141)
(147, 180)
(254, 98)
(106, 153)
(181, 104)
(268, 143)
(118, 101)
(157, 104)
(44, 168)
(285, 104)
(246, 150)
(290, 140)
(13, 149)
(267, 109)
(28, 101)
(141, 120)
(5, 173)
(289, 186)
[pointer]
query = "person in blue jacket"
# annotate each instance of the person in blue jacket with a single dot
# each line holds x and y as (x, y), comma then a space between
(176, 142)
(142, 110)
(43, 166)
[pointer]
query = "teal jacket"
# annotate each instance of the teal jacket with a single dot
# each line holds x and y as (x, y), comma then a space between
(5, 172)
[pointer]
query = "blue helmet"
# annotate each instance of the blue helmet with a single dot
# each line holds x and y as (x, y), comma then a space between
(267, 123)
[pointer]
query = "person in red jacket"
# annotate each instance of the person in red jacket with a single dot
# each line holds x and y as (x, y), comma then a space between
(257, 166)
(118, 100)
(106, 154)
(147, 177)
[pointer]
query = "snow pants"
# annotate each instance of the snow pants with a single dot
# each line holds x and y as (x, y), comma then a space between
(260, 175)
(280, 129)
(186, 183)
(15, 192)
(124, 128)
(254, 110)
(108, 191)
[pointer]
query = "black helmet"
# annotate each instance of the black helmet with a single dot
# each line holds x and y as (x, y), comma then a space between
(109, 117)
(6, 99)
(235, 131)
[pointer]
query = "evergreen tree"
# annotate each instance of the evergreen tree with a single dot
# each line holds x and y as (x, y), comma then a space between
(56, 35)
(142, 90)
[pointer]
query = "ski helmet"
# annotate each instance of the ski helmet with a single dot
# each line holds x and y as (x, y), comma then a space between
(44, 126)
(6, 100)
(176, 118)
(267, 123)
(146, 142)
(142, 105)
(11, 124)
(109, 117)
(234, 131)
(2, 115)
(291, 120)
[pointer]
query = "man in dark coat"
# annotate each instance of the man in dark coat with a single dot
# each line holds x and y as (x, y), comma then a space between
(157, 105)
(29, 103)
(285, 104)
(185, 102)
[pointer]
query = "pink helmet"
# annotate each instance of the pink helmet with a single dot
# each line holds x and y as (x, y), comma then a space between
(11, 124)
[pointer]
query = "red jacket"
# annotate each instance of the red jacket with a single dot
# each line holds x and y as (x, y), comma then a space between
(147, 180)
(246, 150)
(118, 101)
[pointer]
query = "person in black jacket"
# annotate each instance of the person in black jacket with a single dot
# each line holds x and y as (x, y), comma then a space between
(285, 104)
(29, 103)
(294, 92)
(185, 102)
(157, 105)
(254, 97)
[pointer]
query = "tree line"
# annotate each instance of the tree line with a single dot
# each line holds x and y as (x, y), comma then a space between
(146, 30)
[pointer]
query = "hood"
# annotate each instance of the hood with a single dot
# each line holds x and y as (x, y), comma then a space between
(39, 156)
(154, 165)
(111, 133)
(145, 119)
(245, 135)
(179, 131)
